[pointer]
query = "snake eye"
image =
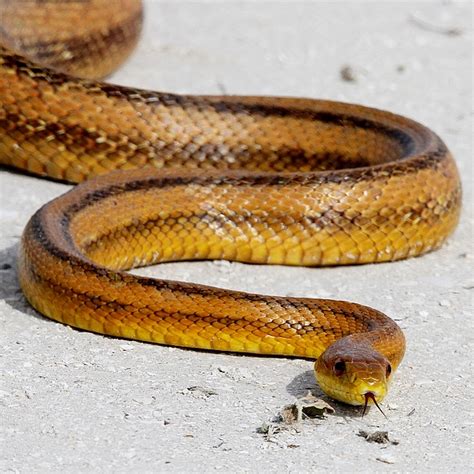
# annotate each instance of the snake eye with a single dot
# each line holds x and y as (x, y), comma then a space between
(389, 370)
(339, 367)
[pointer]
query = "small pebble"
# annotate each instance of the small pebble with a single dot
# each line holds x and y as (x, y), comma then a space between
(126, 347)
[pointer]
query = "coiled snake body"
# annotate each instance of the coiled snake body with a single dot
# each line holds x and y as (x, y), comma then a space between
(250, 179)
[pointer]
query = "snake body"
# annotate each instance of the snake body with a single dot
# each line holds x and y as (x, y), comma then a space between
(250, 179)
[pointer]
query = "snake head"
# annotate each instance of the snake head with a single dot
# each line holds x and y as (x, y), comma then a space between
(353, 372)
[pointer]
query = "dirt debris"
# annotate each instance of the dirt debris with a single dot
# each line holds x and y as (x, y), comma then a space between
(198, 392)
(348, 74)
(380, 437)
(307, 407)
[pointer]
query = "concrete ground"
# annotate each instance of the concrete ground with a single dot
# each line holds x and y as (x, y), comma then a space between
(78, 402)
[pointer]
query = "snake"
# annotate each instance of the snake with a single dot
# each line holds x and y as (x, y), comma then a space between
(164, 177)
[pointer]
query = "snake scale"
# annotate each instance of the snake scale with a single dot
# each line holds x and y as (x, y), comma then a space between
(251, 179)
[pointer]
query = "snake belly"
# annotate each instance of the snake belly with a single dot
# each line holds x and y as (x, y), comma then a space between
(251, 179)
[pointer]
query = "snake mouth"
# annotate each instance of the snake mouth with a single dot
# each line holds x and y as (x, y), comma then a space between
(371, 396)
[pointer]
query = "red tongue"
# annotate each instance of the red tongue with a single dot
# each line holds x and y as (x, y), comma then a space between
(370, 396)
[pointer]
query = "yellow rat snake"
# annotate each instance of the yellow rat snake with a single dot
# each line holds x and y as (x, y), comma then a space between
(251, 179)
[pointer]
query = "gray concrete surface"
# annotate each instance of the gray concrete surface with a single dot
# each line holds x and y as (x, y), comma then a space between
(72, 401)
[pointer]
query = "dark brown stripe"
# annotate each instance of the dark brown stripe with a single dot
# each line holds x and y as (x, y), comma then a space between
(46, 52)
(235, 108)
(238, 179)
(288, 304)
